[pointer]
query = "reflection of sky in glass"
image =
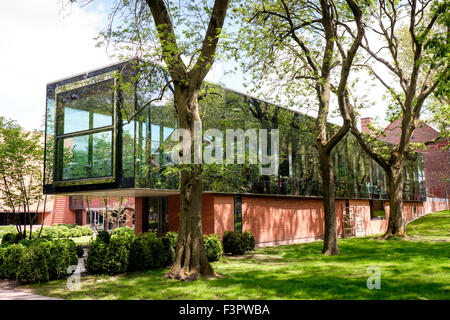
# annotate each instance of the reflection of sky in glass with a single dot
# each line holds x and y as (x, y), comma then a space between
(155, 132)
(75, 120)
(166, 132)
(101, 120)
(50, 116)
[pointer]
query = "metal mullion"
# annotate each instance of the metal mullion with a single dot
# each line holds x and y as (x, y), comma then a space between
(85, 132)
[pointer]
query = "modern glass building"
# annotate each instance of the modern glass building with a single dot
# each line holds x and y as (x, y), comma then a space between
(103, 138)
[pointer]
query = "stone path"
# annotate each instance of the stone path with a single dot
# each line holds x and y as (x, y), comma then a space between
(9, 291)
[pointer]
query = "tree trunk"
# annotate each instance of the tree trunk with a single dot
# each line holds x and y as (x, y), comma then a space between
(330, 240)
(191, 261)
(396, 224)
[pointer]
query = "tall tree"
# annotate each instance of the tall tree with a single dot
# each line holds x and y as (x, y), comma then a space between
(301, 48)
(21, 179)
(199, 28)
(417, 69)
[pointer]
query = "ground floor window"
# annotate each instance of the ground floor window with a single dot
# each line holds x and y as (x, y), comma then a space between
(377, 210)
(238, 213)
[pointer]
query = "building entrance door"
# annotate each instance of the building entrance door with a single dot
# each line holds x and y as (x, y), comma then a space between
(79, 217)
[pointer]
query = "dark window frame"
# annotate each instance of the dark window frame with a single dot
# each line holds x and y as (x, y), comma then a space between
(58, 169)
(237, 213)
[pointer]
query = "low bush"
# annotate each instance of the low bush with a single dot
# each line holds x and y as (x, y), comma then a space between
(103, 236)
(122, 231)
(96, 253)
(7, 229)
(250, 240)
(50, 232)
(10, 238)
(11, 261)
(2, 260)
(169, 251)
(117, 257)
(173, 238)
(33, 266)
(234, 243)
(140, 255)
(213, 247)
(75, 233)
(86, 231)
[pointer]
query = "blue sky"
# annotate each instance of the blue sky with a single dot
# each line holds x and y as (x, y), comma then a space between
(42, 41)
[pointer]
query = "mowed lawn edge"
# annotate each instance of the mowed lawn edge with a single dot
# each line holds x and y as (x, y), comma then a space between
(413, 268)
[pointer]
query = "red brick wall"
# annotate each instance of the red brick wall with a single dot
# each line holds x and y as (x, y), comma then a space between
(282, 220)
(207, 213)
(223, 214)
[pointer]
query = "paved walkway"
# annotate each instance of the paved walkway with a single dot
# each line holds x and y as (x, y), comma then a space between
(9, 291)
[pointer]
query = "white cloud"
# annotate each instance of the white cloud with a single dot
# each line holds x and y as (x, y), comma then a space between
(40, 43)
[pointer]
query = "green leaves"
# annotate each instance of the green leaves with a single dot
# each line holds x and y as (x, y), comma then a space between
(21, 162)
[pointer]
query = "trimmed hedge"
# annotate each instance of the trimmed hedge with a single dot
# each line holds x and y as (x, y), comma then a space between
(37, 260)
(117, 257)
(33, 266)
(213, 247)
(238, 243)
(103, 236)
(96, 253)
(148, 251)
(11, 262)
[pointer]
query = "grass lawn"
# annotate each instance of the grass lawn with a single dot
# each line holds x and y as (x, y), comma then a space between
(82, 240)
(410, 269)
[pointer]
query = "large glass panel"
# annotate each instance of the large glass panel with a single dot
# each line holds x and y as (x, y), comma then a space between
(77, 159)
(87, 107)
(49, 138)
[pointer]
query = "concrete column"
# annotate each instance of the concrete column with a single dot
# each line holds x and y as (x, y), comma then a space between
(140, 215)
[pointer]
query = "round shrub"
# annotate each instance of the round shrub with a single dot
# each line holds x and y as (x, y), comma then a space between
(147, 251)
(125, 233)
(250, 240)
(11, 262)
(169, 251)
(173, 237)
(2, 260)
(71, 249)
(7, 229)
(116, 258)
(60, 255)
(86, 230)
(103, 236)
(96, 254)
(26, 242)
(213, 247)
(80, 251)
(234, 243)
(75, 233)
(140, 255)
(33, 266)
(123, 230)
(50, 233)
(11, 238)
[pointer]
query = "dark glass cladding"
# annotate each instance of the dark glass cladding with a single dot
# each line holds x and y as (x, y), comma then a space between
(144, 149)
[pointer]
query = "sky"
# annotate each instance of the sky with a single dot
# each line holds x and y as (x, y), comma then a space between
(43, 41)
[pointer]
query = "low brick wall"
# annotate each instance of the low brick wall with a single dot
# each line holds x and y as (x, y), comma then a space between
(287, 220)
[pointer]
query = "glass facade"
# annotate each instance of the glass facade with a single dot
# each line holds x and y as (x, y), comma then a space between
(102, 141)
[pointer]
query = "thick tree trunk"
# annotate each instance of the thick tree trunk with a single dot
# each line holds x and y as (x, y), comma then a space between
(191, 261)
(330, 240)
(396, 224)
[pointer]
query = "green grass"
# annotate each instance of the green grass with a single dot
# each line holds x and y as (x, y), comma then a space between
(416, 269)
(82, 240)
